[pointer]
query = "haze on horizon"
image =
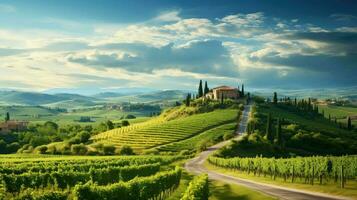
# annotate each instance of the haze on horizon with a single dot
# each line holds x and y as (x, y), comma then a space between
(104, 45)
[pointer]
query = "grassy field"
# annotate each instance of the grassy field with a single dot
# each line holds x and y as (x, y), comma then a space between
(340, 112)
(37, 114)
(317, 124)
(329, 188)
(159, 132)
(224, 191)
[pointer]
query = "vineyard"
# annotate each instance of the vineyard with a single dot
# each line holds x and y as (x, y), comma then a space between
(159, 132)
(214, 134)
(127, 177)
(197, 189)
(308, 170)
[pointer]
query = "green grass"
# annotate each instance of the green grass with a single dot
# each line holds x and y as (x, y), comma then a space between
(224, 191)
(37, 114)
(160, 132)
(214, 134)
(340, 112)
(350, 189)
(316, 124)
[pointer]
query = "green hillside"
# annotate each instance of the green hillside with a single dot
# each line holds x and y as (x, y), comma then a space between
(340, 112)
(160, 131)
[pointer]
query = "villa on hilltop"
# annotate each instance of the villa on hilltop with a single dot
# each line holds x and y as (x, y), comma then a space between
(223, 91)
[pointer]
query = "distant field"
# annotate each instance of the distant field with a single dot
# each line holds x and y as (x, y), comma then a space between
(37, 114)
(340, 112)
(155, 133)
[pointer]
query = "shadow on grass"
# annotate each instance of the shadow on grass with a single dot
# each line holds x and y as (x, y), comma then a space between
(226, 192)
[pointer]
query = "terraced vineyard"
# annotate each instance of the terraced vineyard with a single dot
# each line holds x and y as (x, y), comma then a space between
(159, 132)
(215, 134)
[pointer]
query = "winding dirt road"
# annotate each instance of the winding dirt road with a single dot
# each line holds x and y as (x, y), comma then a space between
(196, 166)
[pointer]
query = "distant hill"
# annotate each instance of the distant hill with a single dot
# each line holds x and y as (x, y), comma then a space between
(159, 96)
(33, 98)
(68, 100)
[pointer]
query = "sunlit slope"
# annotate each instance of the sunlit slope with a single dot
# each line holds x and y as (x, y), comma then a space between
(157, 132)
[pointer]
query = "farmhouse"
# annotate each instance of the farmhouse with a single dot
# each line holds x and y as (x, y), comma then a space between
(223, 91)
(12, 125)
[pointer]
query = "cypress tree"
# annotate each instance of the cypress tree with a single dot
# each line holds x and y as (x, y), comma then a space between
(275, 98)
(329, 117)
(200, 90)
(221, 98)
(188, 99)
(295, 102)
(278, 133)
(7, 117)
(349, 123)
(242, 90)
(206, 88)
(269, 133)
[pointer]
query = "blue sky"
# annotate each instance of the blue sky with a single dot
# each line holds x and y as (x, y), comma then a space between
(104, 45)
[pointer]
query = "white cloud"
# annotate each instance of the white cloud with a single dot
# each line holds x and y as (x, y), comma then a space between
(168, 16)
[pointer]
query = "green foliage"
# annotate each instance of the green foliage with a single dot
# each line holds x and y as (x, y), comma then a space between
(79, 149)
(108, 149)
(275, 98)
(125, 123)
(206, 90)
(138, 188)
(197, 189)
(308, 169)
(269, 131)
(200, 90)
(126, 150)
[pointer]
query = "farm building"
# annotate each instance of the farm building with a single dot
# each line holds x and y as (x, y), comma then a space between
(12, 125)
(225, 91)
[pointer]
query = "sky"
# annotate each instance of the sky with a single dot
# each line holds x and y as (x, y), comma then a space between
(96, 45)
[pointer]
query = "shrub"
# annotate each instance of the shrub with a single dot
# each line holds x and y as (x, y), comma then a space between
(125, 123)
(79, 149)
(130, 116)
(41, 149)
(126, 150)
(108, 149)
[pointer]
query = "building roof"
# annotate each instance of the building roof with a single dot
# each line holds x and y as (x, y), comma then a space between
(224, 87)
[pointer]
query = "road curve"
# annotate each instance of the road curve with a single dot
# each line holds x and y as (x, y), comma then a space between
(196, 166)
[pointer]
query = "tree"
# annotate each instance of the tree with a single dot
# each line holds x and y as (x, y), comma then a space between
(206, 88)
(188, 99)
(7, 116)
(222, 98)
(279, 134)
(109, 124)
(349, 124)
(295, 102)
(329, 117)
(200, 90)
(269, 132)
(275, 98)
(242, 90)
(125, 123)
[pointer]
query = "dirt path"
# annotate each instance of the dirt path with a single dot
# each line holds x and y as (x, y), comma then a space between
(196, 166)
